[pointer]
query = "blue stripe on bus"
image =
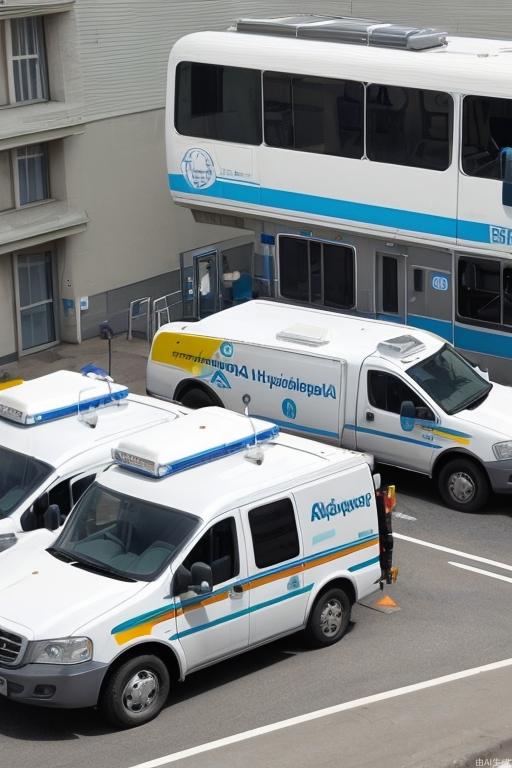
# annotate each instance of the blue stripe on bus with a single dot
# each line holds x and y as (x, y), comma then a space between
(486, 342)
(393, 218)
(443, 328)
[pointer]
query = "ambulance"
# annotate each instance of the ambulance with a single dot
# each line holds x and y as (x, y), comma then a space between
(56, 434)
(212, 535)
(400, 393)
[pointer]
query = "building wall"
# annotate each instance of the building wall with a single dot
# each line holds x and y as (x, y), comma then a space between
(459, 17)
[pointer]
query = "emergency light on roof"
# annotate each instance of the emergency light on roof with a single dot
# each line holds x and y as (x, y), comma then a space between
(400, 346)
(59, 394)
(209, 434)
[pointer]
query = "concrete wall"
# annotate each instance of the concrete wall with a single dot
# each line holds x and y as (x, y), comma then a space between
(460, 17)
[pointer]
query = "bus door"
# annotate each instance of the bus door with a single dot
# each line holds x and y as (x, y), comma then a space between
(391, 287)
(216, 276)
(430, 300)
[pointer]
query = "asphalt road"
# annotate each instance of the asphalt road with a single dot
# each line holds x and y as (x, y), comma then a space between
(451, 619)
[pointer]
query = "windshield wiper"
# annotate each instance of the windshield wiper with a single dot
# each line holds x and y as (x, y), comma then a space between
(474, 402)
(88, 565)
(60, 554)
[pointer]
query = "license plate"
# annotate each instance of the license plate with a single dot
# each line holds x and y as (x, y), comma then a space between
(3, 686)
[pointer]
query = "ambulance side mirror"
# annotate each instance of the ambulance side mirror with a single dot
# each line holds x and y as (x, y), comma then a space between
(202, 579)
(182, 579)
(52, 517)
(407, 415)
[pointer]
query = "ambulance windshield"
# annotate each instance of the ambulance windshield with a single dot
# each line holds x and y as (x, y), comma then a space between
(20, 475)
(126, 537)
(450, 380)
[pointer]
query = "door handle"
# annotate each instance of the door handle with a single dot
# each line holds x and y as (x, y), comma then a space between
(370, 416)
(236, 592)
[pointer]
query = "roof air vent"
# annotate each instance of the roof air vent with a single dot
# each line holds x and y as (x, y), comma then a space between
(343, 29)
(400, 346)
(311, 335)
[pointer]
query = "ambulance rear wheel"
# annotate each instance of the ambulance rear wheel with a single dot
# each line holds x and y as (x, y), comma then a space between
(135, 692)
(195, 397)
(463, 485)
(329, 619)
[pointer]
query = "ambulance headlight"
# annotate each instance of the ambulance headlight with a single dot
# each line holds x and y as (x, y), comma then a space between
(68, 650)
(503, 450)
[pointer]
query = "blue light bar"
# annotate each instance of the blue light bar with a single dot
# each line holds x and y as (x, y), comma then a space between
(196, 459)
(76, 408)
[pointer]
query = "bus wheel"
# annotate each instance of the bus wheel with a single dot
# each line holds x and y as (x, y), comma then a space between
(329, 619)
(463, 485)
(195, 397)
(135, 692)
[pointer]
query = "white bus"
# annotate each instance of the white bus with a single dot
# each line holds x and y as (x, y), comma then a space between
(370, 161)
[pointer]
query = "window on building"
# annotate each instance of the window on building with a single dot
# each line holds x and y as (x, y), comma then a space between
(409, 126)
(217, 548)
(316, 272)
(26, 58)
(6, 187)
(486, 129)
(4, 79)
(31, 163)
(314, 114)
(216, 102)
(387, 393)
(274, 533)
(484, 291)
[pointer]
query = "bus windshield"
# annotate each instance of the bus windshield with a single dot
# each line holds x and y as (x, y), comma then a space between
(123, 535)
(20, 475)
(449, 380)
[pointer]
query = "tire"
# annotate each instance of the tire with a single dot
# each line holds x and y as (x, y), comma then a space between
(195, 397)
(463, 485)
(135, 692)
(329, 619)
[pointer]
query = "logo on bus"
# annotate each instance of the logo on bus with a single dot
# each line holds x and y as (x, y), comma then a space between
(440, 282)
(500, 235)
(198, 168)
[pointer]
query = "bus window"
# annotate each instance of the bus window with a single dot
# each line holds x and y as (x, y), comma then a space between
(314, 114)
(216, 102)
(408, 126)
(316, 272)
(479, 290)
(486, 129)
(507, 296)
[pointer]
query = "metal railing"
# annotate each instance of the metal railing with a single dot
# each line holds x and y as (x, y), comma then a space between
(139, 310)
(165, 309)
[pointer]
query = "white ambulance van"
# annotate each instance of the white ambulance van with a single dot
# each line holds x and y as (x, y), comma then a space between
(56, 433)
(213, 535)
(402, 394)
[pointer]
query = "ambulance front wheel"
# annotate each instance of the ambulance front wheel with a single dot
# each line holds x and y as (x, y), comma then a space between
(463, 485)
(329, 619)
(135, 692)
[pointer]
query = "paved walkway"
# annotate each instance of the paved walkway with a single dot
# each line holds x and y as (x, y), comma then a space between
(128, 360)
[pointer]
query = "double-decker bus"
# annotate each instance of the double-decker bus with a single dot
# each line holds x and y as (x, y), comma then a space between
(370, 161)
